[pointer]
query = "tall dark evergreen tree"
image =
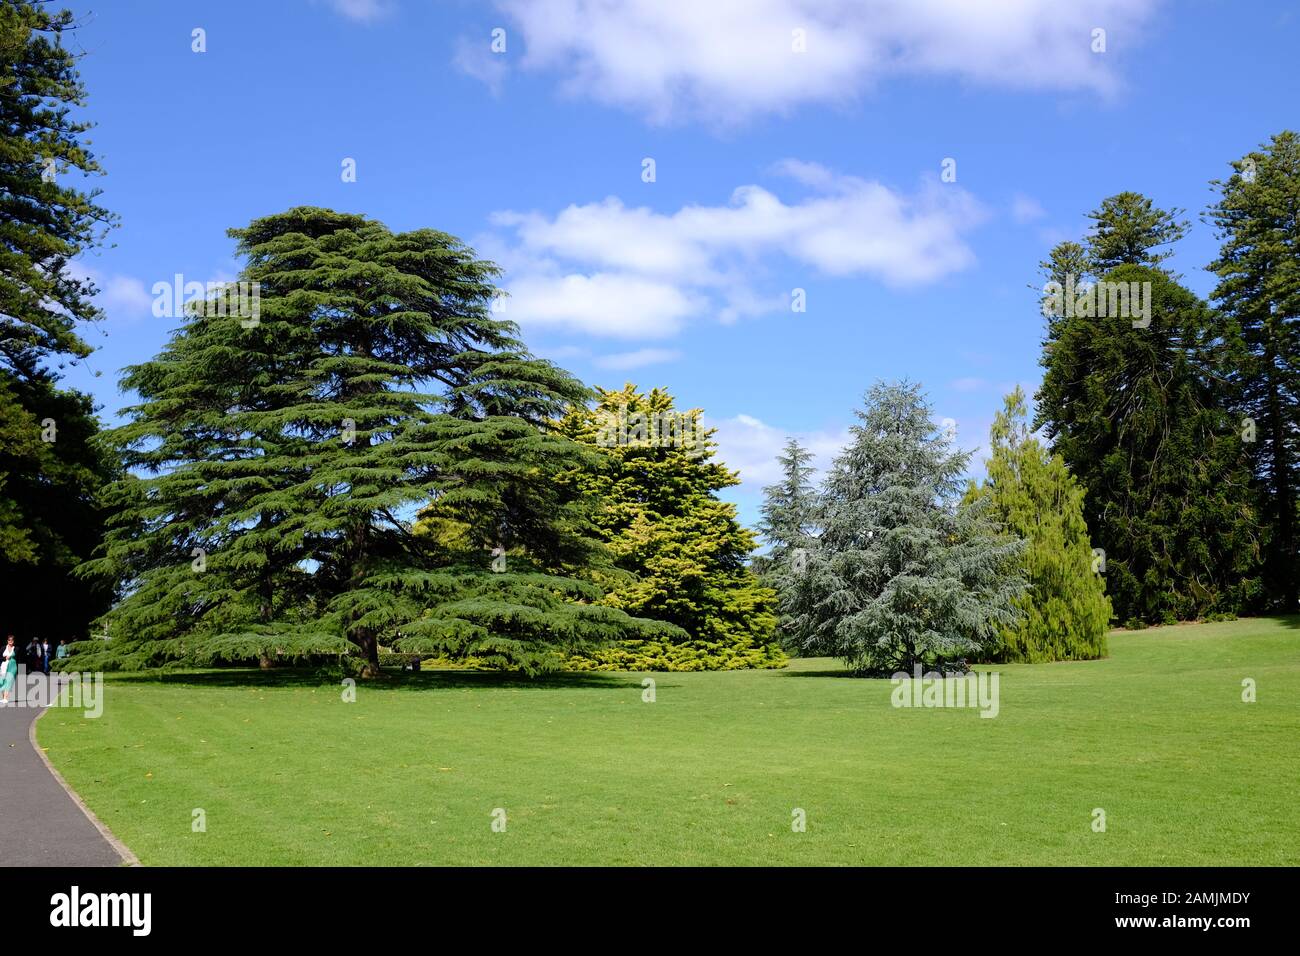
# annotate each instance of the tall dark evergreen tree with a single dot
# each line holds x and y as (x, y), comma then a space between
(1138, 417)
(1129, 229)
(904, 574)
(45, 221)
(285, 454)
(50, 473)
(51, 515)
(1258, 219)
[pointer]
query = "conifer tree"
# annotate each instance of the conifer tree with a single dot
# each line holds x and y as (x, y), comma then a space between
(50, 470)
(1068, 261)
(679, 552)
(1065, 611)
(47, 219)
(790, 507)
(1140, 422)
(789, 523)
(1258, 219)
(283, 456)
(904, 574)
(1128, 229)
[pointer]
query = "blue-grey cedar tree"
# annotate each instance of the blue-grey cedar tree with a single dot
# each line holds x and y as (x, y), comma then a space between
(905, 573)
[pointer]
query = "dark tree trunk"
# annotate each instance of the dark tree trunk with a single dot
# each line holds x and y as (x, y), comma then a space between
(365, 640)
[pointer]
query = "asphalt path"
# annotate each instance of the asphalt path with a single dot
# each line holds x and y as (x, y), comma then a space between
(41, 822)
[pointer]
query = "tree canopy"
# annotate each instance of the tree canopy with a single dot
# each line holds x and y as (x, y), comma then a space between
(1065, 612)
(279, 459)
(903, 573)
(679, 552)
(1258, 218)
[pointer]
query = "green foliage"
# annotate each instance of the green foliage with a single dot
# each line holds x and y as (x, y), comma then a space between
(902, 572)
(1258, 218)
(1065, 612)
(1127, 228)
(790, 525)
(43, 221)
(282, 456)
(678, 552)
(1140, 422)
(50, 473)
(51, 515)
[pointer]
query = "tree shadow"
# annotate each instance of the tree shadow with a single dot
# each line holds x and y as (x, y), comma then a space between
(289, 677)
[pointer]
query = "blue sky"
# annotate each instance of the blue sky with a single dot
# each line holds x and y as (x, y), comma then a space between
(775, 169)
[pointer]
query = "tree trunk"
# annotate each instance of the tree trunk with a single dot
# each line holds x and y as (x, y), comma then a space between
(365, 640)
(265, 662)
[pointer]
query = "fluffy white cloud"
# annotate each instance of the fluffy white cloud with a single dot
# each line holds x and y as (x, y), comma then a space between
(751, 446)
(123, 298)
(728, 60)
(609, 269)
(614, 305)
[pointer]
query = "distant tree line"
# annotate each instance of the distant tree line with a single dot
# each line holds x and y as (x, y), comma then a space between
(1166, 490)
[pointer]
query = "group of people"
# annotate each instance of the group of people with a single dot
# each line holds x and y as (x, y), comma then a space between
(37, 654)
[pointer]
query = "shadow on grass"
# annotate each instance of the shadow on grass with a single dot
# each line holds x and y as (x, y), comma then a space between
(281, 677)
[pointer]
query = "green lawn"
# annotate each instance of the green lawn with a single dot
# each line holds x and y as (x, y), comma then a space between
(411, 772)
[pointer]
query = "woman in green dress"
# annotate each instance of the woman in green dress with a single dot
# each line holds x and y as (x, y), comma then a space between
(8, 670)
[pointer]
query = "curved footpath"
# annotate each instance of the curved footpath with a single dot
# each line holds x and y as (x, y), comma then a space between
(44, 821)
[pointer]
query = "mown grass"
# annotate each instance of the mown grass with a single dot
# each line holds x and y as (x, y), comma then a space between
(287, 773)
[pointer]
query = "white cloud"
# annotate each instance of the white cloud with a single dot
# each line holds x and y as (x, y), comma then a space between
(751, 446)
(123, 298)
(609, 269)
(623, 361)
(609, 304)
(729, 60)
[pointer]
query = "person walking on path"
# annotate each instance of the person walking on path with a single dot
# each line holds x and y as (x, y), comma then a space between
(45, 656)
(62, 652)
(8, 670)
